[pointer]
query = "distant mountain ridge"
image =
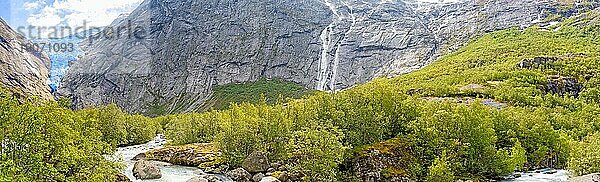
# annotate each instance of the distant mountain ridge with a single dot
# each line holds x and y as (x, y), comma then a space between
(191, 46)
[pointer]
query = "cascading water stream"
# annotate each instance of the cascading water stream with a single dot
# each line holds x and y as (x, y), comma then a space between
(326, 40)
(328, 68)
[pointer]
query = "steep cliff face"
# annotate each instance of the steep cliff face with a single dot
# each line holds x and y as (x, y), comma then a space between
(24, 71)
(186, 47)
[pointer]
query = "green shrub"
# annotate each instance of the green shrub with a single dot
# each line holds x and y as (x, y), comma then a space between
(47, 142)
(270, 91)
(440, 171)
(316, 152)
(585, 157)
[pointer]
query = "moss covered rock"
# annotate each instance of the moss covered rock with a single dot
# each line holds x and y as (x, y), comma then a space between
(201, 155)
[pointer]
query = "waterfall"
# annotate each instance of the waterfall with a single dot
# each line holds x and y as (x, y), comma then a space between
(326, 40)
(328, 68)
(324, 63)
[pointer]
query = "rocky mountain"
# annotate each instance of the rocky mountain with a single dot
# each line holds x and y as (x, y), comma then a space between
(24, 71)
(174, 51)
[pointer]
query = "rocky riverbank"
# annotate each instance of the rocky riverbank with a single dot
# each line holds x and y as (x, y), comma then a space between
(156, 162)
(255, 168)
(169, 172)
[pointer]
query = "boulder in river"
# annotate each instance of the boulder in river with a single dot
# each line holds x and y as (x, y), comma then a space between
(122, 178)
(138, 157)
(197, 179)
(256, 162)
(240, 175)
(257, 177)
(269, 179)
(586, 178)
(212, 178)
(199, 154)
(146, 170)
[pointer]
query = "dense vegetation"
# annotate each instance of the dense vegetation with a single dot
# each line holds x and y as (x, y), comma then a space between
(547, 77)
(49, 142)
(271, 91)
(254, 92)
(551, 120)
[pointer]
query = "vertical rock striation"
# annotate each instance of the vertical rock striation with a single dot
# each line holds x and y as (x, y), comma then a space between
(188, 46)
(24, 71)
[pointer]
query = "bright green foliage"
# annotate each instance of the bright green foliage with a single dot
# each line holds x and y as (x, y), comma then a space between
(119, 128)
(270, 91)
(341, 120)
(46, 142)
(518, 157)
(468, 136)
(313, 135)
(319, 144)
(49, 142)
(440, 171)
(191, 128)
(586, 156)
(481, 142)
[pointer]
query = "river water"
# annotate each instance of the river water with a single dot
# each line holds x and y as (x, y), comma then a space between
(176, 173)
(170, 173)
(544, 175)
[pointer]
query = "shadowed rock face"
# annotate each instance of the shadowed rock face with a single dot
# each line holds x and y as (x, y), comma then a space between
(188, 46)
(24, 72)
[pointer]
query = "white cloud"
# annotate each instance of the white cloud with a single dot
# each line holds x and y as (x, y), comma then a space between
(29, 6)
(75, 12)
(46, 18)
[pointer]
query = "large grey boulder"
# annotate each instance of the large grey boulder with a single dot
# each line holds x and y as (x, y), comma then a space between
(586, 178)
(257, 177)
(122, 178)
(256, 162)
(239, 175)
(146, 170)
(197, 179)
(269, 179)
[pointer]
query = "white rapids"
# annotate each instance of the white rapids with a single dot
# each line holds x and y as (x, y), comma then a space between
(170, 173)
(544, 175)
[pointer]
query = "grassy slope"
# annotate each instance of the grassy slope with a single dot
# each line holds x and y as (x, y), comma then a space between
(271, 91)
(444, 139)
(492, 62)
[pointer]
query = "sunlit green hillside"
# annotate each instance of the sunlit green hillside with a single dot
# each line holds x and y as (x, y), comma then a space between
(511, 100)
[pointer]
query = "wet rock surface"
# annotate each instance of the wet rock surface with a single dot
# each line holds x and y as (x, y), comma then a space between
(239, 175)
(193, 155)
(586, 178)
(197, 179)
(122, 178)
(191, 46)
(146, 170)
(256, 162)
(269, 179)
(537, 62)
